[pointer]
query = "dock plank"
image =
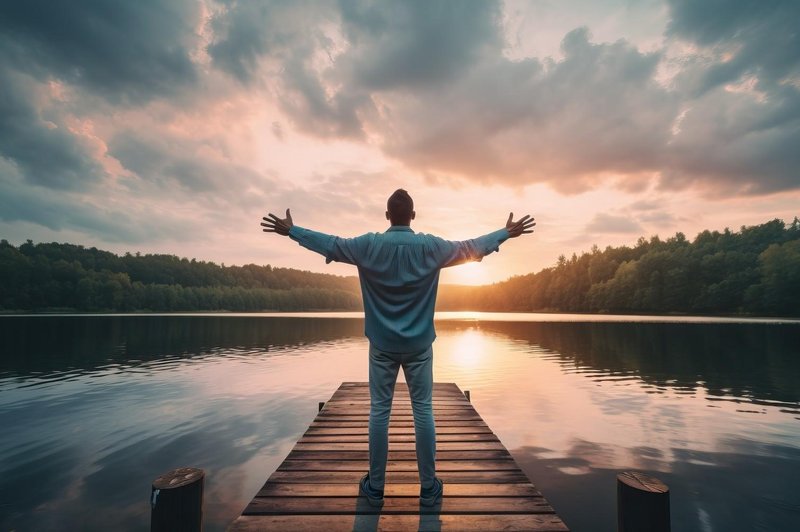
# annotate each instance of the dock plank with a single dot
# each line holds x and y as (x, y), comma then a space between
(402, 523)
(316, 487)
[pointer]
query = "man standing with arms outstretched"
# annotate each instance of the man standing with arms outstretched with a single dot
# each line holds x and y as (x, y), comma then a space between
(399, 274)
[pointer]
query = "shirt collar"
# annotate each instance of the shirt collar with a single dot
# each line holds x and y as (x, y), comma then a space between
(400, 228)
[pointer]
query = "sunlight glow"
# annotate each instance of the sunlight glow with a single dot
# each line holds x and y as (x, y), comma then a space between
(469, 349)
(471, 273)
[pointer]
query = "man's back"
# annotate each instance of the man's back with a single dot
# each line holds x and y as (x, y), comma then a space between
(399, 274)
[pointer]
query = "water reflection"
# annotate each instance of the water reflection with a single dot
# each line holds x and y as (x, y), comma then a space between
(99, 406)
(49, 345)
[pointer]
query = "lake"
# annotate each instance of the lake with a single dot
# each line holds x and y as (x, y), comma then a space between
(93, 408)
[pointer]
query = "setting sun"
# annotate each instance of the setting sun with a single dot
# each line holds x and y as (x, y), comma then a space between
(471, 273)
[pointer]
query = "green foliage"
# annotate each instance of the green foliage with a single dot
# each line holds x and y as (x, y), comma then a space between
(754, 271)
(48, 276)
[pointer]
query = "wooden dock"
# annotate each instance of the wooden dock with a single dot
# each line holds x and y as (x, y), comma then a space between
(316, 487)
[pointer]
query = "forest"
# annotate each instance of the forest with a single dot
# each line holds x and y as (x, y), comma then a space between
(753, 271)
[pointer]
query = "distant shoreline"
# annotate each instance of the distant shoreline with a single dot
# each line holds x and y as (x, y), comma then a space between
(464, 315)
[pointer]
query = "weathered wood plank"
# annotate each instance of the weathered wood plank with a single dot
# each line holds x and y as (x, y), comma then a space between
(272, 489)
(397, 417)
(441, 456)
(423, 523)
(396, 477)
(397, 465)
(444, 446)
(396, 505)
(331, 431)
(395, 438)
(397, 423)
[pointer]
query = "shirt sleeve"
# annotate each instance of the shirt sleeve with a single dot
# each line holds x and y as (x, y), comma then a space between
(333, 248)
(451, 253)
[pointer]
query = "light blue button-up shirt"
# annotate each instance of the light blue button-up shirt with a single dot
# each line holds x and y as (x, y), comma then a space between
(399, 274)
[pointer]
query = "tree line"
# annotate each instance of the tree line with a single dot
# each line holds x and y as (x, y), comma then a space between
(753, 271)
(52, 276)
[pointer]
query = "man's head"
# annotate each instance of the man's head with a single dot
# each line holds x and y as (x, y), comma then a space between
(400, 208)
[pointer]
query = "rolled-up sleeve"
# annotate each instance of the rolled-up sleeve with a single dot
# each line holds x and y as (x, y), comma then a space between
(451, 253)
(332, 247)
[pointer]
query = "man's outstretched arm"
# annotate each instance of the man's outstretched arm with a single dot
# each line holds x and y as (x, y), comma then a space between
(331, 247)
(455, 253)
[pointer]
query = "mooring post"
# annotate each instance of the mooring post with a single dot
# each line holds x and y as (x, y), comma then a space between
(321, 404)
(466, 394)
(642, 503)
(176, 501)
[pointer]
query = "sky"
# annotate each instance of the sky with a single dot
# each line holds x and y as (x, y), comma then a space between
(173, 126)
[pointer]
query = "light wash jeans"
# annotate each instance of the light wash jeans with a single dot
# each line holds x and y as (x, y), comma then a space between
(418, 370)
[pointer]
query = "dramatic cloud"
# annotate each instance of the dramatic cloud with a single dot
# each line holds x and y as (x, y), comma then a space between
(433, 85)
(741, 121)
(570, 123)
(747, 38)
(128, 51)
(35, 137)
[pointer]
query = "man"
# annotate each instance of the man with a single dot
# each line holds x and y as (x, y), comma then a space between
(399, 275)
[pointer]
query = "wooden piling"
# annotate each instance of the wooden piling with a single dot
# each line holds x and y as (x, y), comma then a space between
(642, 503)
(176, 501)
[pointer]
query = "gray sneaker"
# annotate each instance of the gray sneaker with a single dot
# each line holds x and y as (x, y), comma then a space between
(433, 495)
(374, 497)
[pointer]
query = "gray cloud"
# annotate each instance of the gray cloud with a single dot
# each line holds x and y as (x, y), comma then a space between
(742, 121)
(38, 142)
(609, 223)
(22, 202)
(246, 32)
(597, 111)
(417, 43)
(282, 39)
(168, 163)
(757, 37)
(126, 51)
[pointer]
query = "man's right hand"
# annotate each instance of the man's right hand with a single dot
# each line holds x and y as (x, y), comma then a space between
(273, 224)
(521, 227)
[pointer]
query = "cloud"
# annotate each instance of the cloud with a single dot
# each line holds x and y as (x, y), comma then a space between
(609, 223)
(758, 38)
(569, 123)
(35, 137)
(431, 85)
(417, 43)
(741, 121)
(126, 51)
(98, 216)
(169, 161)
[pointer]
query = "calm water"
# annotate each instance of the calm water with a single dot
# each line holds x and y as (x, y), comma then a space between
(93, 408)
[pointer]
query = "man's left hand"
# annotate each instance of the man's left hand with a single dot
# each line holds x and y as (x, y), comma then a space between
(273, 224)
(523, 226)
